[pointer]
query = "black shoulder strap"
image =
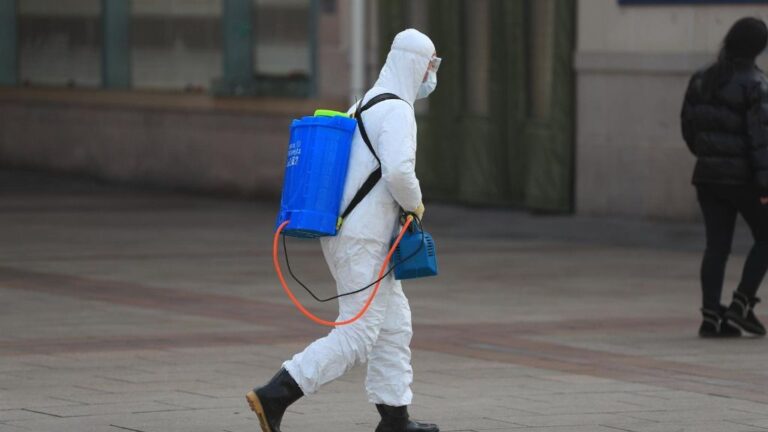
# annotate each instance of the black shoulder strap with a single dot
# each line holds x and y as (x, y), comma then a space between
(375, 176)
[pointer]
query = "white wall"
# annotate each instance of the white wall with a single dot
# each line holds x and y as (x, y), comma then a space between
(606, 26)
(632, 65)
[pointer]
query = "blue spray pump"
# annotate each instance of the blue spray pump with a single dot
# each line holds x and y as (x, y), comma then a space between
(415, 256)
(315, 173)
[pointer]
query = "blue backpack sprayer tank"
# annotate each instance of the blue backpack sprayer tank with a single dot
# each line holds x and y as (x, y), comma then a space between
(310, 207)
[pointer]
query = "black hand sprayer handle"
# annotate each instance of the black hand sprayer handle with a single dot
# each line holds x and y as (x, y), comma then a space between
(416, 221)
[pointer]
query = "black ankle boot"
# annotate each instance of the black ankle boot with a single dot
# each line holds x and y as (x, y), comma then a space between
(741, 313)
(395, 419)
(270, 402)
(715, 325)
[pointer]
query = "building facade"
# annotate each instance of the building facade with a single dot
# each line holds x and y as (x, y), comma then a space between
(549, 105)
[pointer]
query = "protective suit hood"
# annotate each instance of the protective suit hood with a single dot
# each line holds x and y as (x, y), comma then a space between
(406, 63)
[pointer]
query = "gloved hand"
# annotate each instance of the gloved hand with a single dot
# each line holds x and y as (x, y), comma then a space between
(419, 212)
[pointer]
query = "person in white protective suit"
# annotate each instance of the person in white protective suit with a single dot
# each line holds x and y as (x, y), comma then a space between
(383, 334)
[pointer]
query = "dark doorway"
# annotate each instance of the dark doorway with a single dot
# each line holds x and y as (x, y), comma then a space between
(499, 129)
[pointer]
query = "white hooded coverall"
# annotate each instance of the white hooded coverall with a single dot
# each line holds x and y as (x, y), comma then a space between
(383, 334)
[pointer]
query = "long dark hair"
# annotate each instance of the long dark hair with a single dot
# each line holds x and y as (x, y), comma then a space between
(745, 40)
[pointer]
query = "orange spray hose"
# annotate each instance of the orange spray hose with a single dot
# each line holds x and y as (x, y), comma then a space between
(310, 315)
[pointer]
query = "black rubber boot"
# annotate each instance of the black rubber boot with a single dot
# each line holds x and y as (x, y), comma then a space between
(741, 312)
(396, 419)
(715, 325)
(270, 402)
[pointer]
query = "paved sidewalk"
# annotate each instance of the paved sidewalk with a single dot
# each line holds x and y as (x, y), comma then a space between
(149, 311)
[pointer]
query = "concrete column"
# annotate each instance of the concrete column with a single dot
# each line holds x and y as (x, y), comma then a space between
(357, 48)
(9, 55)
(116, 48)
(237, 24)
(314, 43)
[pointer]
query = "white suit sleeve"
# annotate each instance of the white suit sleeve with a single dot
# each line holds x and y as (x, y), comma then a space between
(397, 151)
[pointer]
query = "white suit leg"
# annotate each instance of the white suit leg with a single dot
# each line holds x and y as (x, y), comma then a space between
(354, 263)
(389, 363)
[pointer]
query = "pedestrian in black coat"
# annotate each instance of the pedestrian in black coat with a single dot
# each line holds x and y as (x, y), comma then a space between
(725, 125)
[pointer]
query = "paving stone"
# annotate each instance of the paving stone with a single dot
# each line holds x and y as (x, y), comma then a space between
(159, 318)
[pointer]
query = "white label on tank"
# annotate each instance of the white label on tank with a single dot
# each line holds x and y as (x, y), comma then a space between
(294, 151)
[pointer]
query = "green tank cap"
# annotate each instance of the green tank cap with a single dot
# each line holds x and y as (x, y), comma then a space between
(329, 113)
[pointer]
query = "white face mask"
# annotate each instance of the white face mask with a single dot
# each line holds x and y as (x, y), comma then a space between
(427, 86)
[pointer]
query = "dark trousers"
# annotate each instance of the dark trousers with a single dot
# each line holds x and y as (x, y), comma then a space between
(720, 204)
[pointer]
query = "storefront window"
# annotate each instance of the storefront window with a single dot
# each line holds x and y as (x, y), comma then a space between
(60, 42)
(176, 44)
(282, 38)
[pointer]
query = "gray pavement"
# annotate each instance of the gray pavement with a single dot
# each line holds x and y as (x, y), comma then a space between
(152, 311)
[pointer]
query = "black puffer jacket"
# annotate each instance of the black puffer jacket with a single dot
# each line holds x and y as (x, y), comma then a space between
(728, 132)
